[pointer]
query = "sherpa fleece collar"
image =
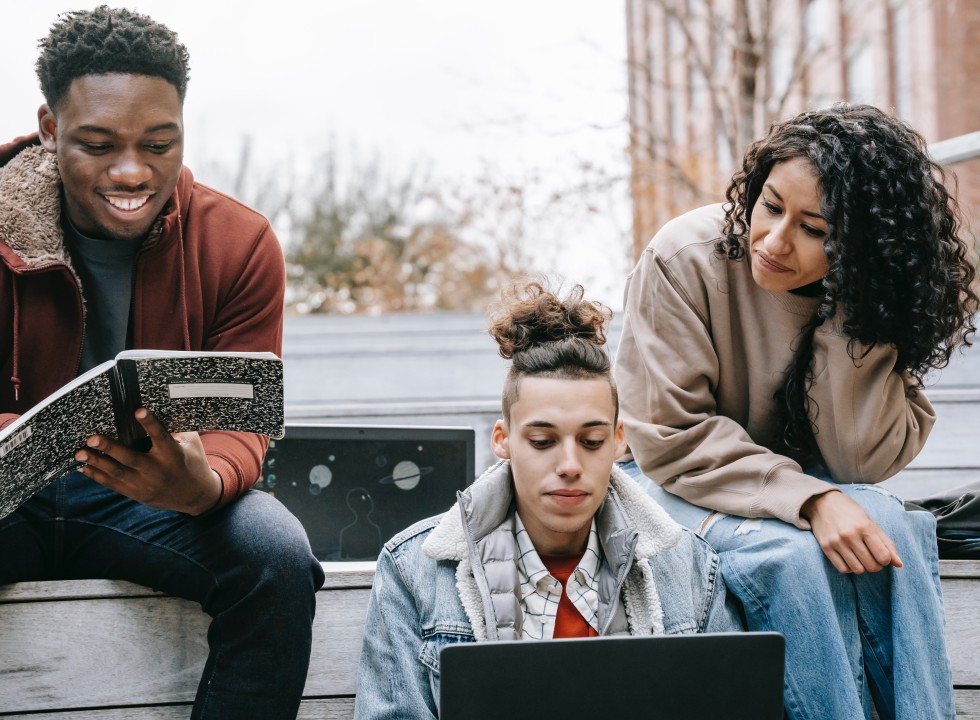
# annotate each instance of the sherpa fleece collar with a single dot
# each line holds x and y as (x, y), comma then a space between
(30, 207)
(488, 500)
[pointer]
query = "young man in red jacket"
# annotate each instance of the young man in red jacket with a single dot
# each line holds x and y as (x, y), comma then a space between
(108, 243)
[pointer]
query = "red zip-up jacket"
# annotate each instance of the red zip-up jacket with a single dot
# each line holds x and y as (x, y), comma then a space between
(210, 276)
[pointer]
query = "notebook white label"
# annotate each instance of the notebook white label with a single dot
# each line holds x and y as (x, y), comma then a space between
(205, 390)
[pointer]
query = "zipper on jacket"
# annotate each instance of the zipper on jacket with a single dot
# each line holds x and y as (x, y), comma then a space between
(78, 288)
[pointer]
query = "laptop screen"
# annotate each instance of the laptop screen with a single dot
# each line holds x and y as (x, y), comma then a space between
(354, 487)
(736, 676)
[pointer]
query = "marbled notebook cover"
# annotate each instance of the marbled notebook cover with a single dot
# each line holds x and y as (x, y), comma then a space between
(185, 390)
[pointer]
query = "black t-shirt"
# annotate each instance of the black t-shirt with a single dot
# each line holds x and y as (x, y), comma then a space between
(106, 271)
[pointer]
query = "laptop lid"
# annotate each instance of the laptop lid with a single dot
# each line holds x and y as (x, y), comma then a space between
(736, 676)
(354, 486)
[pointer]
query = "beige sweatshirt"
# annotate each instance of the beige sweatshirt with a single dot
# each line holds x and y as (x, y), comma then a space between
(704, 349)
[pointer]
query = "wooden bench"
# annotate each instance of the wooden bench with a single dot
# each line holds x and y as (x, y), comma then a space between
(110, 650)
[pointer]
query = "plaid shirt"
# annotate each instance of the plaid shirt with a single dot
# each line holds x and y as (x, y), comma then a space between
(540, 591)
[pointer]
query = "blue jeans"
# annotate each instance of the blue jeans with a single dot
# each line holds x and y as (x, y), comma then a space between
(249, 565)
(845, 634)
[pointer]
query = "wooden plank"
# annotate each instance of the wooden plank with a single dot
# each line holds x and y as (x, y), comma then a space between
(168, 712)
(123, 650)
(961, 569)
(915, 483)
(952, 442)
(72, 590)
(967, 708)
(968, 703)
(160, 643)
(99, 652)
(961, 597)
(321, 709)
(338, 630)
(339, 576)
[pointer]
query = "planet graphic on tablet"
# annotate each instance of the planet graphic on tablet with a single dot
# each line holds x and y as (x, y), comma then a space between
(405, 475)
(320, 477)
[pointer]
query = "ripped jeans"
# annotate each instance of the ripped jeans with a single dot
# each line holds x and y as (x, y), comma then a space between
(848, 637)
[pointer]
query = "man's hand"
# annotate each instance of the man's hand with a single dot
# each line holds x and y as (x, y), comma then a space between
(173, 475)
(850, 539)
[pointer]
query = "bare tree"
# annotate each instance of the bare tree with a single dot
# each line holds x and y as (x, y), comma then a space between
(707, 77)
(368, 239)
(269, 189)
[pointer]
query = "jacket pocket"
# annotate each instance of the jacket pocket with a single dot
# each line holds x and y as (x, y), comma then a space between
(434, 639)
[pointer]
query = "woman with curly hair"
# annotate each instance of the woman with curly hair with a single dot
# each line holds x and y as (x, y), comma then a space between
(552, 541)
(770, 373)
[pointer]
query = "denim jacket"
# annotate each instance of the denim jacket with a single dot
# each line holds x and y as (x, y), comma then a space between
(452, 579)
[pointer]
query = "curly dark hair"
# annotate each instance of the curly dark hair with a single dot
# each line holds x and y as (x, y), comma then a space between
(544, 335)
(898, 266)
(108, 40)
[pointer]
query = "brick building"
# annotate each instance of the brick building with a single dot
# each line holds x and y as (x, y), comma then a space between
(706, 77)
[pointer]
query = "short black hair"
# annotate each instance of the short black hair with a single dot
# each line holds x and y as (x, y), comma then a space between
(108, 40)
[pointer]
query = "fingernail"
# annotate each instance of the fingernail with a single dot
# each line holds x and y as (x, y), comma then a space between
(141, 414)
(92, 443)
(81, 457)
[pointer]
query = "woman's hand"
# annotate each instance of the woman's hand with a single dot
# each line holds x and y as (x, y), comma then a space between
(850, 539)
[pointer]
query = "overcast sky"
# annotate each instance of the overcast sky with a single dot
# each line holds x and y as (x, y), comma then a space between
(526, 85)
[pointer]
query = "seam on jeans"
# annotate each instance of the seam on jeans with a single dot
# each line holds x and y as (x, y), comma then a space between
(214, 651)
(869, 645)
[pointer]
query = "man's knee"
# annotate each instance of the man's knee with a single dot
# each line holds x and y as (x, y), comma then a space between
(271, 545)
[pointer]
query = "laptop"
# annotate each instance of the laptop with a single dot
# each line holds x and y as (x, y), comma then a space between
(735, 676)
(354, 486)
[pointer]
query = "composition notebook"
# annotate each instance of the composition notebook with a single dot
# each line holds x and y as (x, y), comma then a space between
(735, 676)
(185, 390)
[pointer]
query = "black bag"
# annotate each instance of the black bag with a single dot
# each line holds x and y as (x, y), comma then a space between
(957, 514)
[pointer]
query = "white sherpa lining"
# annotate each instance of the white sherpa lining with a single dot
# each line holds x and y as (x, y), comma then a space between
(30, 207)
(656, 531)
(448, 541)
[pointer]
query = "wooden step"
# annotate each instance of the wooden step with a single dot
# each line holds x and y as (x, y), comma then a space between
(111, 650)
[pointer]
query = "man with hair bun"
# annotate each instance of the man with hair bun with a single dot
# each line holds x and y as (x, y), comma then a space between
(107, 243)
(546, 532)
